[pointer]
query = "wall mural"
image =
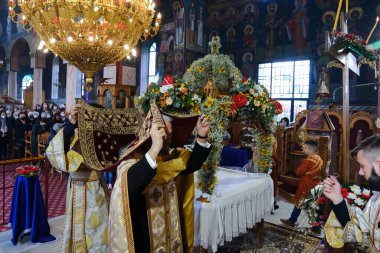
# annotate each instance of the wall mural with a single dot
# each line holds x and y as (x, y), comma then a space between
(236, 23)
(195, 25)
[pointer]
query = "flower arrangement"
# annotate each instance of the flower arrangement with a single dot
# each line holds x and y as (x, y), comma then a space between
(314, 203)
(356, 196)
(314, 206)
(173, 97)
(264, 144)
(251, 100)
(27, 171)
(219, 114)
(356, 44)
(216, 67)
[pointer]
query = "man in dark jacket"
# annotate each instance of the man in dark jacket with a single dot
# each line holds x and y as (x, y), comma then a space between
(21, 127)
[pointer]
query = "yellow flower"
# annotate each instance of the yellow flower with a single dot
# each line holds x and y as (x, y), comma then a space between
(169, 101)
(182, 85)
(190, 70)
(221, 70)
(263, 107)
(201, 68)
(209, 102)
(265, 151)
(256, 102)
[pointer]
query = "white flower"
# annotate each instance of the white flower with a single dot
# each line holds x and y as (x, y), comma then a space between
(165, 88)
(259, 89)
(359, 202)
(246, 104)
(356, 189)
(351, 196)
(366, 192)
(318, 187)
(169, 101)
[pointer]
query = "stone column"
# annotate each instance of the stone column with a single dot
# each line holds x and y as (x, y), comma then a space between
(73, 85)
(12, 84)
(37, 82)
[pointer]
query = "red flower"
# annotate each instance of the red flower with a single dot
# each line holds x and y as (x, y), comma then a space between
(350, 36)
(321, 201)
(344, 192)
(315, 224)
(168, 80)
(366, 196)
(278, 107)
(240, 100)
(244, 80)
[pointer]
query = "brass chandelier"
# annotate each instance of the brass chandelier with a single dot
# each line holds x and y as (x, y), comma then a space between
(88, 33)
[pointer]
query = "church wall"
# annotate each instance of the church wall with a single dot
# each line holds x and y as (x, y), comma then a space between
(289, 30)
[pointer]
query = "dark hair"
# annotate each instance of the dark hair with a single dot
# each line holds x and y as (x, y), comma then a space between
(311, 143)
(371, 147)
(286, 119)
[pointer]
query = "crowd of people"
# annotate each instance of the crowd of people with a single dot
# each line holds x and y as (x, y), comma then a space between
(15, 122)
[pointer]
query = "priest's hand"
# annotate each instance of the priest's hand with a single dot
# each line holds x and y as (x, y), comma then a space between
(74, 113)
(158, 135)
(332, 190)
(203, 127)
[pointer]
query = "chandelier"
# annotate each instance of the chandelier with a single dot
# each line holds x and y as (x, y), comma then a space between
(88, 33)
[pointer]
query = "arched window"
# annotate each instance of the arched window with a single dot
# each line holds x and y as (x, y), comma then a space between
(152, 63)
(27, 80)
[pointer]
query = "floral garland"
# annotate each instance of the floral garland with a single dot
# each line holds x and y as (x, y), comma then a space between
(219, 114)
(252, 101)
(215, 67)
(357, 45)
(175, 97)
(27, 171)
(314, 203)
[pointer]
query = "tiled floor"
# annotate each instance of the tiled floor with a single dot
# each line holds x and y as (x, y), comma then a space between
(56, 226)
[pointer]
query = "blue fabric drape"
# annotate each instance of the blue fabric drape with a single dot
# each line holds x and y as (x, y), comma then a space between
(28, 211)
(235, 157)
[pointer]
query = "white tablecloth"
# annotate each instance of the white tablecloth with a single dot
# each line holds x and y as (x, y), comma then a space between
(240, 201)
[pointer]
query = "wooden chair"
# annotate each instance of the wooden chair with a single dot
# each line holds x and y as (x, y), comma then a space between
(361, 126)
(28, 144)
(42, 139)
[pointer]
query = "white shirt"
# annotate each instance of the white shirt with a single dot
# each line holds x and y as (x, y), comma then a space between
(153, 163)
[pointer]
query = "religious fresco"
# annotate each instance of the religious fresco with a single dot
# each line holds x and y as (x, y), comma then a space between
(195, 25)
(237, 24)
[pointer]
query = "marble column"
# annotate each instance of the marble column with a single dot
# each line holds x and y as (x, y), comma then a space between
(73, 85)
(12, 84)
(37, 86)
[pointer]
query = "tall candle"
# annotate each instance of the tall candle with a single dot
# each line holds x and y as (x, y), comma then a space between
(337, 14)
(373, 29)
(346, 6)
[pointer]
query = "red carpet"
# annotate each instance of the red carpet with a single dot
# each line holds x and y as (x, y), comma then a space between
(57, 195)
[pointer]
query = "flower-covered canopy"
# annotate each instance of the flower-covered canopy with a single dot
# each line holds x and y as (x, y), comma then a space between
(214, 67)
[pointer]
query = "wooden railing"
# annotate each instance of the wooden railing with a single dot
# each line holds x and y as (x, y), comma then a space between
(4, 168)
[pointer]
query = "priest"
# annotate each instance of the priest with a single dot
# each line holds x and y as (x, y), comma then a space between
(349, 223)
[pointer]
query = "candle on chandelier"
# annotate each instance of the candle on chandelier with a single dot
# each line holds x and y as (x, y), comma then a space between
(346, 6)
(373, 29)
(337, 14)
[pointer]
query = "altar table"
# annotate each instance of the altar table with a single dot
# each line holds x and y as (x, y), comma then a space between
(240, 201)
(28, 211)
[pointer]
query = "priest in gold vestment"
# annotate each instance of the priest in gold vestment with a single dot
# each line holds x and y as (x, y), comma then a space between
(84, 147)
(349, 223)
(161, 217)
